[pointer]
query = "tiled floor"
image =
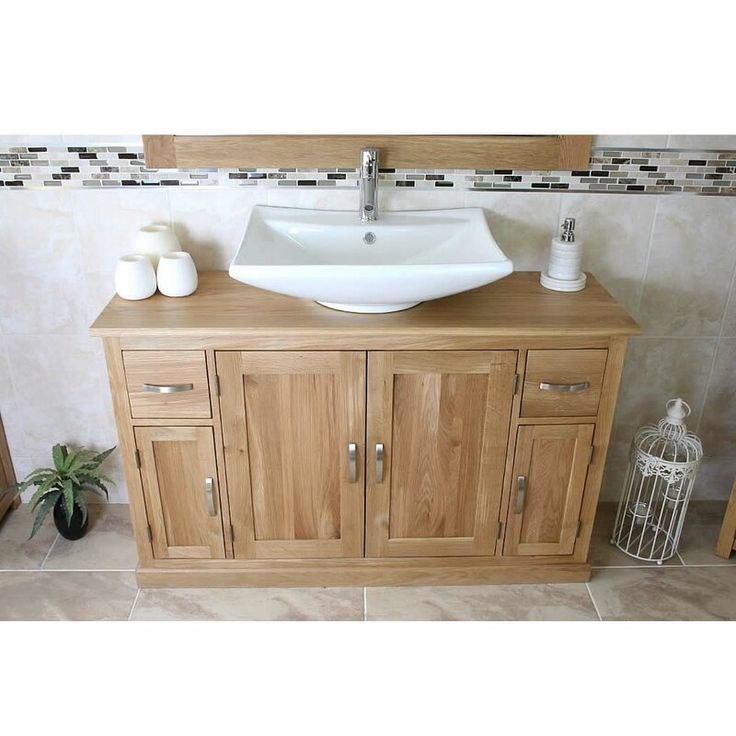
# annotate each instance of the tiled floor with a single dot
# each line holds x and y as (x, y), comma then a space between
(49, 578)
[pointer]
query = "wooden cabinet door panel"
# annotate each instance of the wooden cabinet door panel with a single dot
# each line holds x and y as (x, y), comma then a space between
(443, 420)
(288, 420)
(176, 464)
(553, 462)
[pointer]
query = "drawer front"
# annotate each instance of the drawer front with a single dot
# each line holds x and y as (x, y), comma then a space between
(166, 384)
(563, 383)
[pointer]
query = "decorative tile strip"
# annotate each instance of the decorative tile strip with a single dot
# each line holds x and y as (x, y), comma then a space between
(632, 171)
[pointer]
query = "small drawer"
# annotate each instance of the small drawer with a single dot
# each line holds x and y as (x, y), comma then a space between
(563, 383)
(166, 384)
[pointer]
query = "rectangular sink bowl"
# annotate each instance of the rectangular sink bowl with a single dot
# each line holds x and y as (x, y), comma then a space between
(394, 263)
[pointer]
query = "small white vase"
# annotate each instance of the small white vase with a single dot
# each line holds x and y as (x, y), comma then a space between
(134, 277)
(153, 240)
(177, 274)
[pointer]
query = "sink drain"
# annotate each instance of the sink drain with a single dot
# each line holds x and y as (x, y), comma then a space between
(369, 238)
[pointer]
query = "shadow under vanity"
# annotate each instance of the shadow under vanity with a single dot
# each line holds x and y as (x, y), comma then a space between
(270, 441)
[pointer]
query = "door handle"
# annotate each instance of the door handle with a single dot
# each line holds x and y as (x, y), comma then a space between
(173, 388)
(209, 496)
(564, 388)
(520, 494)
(379, 462)
(352, 462)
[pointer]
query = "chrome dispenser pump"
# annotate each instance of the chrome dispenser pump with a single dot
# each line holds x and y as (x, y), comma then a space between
(568, 230)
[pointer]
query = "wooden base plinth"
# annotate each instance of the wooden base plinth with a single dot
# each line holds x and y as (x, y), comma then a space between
(363, 572)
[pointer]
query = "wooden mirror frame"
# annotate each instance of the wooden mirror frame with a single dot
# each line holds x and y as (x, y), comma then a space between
(517, 152)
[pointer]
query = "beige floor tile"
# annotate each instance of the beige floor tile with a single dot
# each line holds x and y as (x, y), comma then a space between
(17, 552)
(249, 604)
(66, 596)
(563, 602)
(108, 544)
(665, 594)
(700, 533)
(605, 554)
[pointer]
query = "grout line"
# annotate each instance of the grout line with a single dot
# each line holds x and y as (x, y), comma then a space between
(652, 566)
(365, 604)
(135, 600)
(719, 338)
(652, 227)
(592, 600)
(712, 564)
(51, 546)
(67, 569)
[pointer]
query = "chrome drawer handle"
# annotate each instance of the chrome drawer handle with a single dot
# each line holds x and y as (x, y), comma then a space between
(564, 388)
(520, 494)
(174, 388)
(352, 462)
(379, 462)
(209, 496)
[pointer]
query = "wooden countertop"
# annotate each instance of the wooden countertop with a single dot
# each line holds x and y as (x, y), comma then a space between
(516, 306)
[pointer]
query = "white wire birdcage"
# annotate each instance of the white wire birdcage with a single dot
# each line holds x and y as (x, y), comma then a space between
(663, 463)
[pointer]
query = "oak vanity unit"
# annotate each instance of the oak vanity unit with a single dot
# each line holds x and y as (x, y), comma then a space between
(270, 441)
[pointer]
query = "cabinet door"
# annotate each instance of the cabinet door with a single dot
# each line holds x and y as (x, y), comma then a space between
(179, 477)
(294, 432)
(442, 419)
(550, 467)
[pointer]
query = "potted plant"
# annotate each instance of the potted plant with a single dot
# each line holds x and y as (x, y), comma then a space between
(63, 488)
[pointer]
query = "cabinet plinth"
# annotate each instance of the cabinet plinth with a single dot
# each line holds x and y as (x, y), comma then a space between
(270, 441)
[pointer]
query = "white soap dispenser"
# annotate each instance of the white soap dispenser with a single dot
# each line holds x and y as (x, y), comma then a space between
(565, 257)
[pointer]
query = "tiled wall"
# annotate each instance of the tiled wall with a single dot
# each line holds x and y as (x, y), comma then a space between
(612, 169)
(670, 260)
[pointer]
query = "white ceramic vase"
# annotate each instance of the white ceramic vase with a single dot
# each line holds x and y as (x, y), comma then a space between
(177, 274)
(153, 240)
(134, 277)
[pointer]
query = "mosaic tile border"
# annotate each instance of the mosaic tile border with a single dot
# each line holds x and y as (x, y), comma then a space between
(634, 171)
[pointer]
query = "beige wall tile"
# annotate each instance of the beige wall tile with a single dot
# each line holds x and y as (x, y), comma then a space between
(692, 258)
(728, 328)
(656, 370)
(60, 394)
(715, 477)
(318, 198)
(8, 409)
(41, 273)
(523, 224)
(211, 223)
(617, 463)
(720, 142)
(108, 220)
(421, 199)
(615, 230)
(630, 141)
(718, 424)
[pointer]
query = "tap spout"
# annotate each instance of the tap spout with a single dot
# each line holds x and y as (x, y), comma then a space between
(368, 184)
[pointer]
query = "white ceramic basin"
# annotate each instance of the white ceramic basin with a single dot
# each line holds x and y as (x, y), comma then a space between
(396, 262)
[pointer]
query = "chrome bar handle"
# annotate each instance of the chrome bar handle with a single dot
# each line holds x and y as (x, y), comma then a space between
(520, 494)
(209, 495)
(564, 388)
(380, 452)
(173, 388)
(352, 462)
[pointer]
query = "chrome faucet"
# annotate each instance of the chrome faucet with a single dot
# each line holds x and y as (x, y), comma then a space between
(368, 184)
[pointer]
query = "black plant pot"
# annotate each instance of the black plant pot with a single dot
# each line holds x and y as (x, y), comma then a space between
(73, 529)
